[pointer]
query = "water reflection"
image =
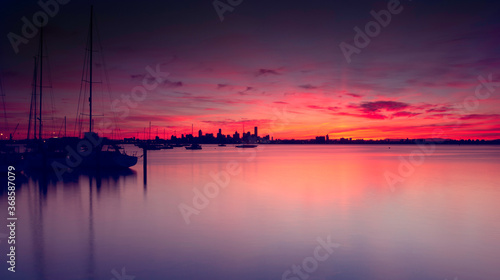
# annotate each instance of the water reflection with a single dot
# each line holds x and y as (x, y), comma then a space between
(40, 194)
(437, 224)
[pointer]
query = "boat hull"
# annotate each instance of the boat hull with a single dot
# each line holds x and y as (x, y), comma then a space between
(246, 146)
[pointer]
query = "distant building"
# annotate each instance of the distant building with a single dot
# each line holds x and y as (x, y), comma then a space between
(255, 132)
(320, 139)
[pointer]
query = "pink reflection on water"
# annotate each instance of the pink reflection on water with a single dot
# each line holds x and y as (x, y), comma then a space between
(441, 221)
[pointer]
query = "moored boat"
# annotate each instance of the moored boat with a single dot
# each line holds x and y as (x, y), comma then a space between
(246, 146)
(193, 146)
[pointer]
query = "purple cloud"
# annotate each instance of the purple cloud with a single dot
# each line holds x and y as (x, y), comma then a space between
(373, 107)
(263, 72)
(308, 86)
(405, 114)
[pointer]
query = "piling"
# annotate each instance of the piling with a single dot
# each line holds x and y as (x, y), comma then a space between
(145, 163)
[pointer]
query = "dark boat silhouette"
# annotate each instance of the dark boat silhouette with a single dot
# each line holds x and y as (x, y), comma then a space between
(193, 146)
(101, 154)
(40, 153)
(246, 146)
(150, 146)
(167, 147)
(113, 157)
(10, 157)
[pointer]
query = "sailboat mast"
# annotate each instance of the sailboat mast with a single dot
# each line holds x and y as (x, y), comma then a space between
(41, 86)
(90, 70)
(33, 99)
(2, 93)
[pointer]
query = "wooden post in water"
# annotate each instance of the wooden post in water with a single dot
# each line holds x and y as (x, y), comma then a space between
(145, 163)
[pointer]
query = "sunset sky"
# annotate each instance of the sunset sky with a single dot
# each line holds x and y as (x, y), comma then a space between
(272, 64)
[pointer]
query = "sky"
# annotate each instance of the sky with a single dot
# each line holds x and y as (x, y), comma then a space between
(432, 69)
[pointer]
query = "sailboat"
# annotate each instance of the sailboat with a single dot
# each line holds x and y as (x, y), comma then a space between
(40, 153)
(246, 146)
(194, 146)
(8, 154)
(167, 147)
(113, 157)
(47, 153)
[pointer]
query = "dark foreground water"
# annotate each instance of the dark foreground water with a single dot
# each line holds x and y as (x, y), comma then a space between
(276, 212)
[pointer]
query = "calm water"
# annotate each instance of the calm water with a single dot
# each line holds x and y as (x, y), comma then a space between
(441, 222)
